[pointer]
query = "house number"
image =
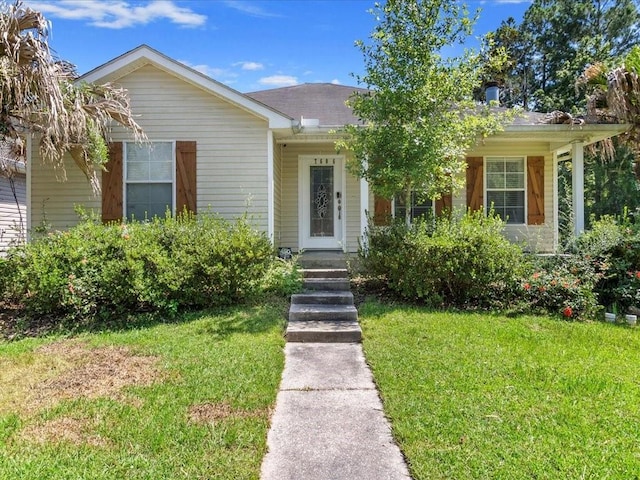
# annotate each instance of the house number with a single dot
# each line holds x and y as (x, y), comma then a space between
(324, 161)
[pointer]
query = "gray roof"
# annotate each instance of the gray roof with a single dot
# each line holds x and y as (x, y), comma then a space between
(322, 101)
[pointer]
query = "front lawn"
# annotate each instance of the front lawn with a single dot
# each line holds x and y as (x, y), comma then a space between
(185, 400)
(478, 396)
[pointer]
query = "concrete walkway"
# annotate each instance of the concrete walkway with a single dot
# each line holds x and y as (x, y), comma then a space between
(328, 423)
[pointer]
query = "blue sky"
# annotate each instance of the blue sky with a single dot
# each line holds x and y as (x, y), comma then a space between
(247, 44)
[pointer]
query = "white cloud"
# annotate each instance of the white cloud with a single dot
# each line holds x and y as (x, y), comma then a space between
(279, 81)
(252, 66)
(118, 14)
(335, 81)
(250, 8)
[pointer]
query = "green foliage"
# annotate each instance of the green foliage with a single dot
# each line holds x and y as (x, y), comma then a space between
(420, 115)
(613, 246)
(555, 42)
(282, 277)
(561, 285)
(463, 260)
(98, 273)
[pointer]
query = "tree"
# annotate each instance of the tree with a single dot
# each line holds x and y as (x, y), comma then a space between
(419, 113)
(39, 95)
(557, 40)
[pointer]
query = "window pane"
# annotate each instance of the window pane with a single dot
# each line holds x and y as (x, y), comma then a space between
(321, 201)
(495, 199)
(138, 152)
(138, 171)
(161, 171)
(495, 180)
(161, 152)
(514, 180)
(514, 166)
(514, 198)
(494, 166)
(514, 214)
(147, 200)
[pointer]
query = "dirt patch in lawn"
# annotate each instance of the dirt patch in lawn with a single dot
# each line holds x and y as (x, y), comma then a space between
(206, 413)
(64, 429)
(68, 370)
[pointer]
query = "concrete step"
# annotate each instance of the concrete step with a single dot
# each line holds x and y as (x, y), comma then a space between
(340, 284)
(318, 312)
(325, 273)
(322, 260)
(324, 331)
(327, 297)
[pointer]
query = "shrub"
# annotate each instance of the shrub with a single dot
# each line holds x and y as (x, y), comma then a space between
(561, 285)
(103, 273)
(459, 260)
(613, 247)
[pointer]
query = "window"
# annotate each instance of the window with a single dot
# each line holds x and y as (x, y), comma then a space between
(418, 209)
(505, 181)
(149, 179)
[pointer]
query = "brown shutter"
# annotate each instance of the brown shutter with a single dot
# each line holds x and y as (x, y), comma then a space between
(475, 183)
(112, 185)
(444, 204)
(381, 211)
(535, 190)
(186, 176)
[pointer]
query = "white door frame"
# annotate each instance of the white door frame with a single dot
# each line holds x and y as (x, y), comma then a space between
(305, 241)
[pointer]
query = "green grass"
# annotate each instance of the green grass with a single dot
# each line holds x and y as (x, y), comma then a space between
(231, 360)
(474, 396)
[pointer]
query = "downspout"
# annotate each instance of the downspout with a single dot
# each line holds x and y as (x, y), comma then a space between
(270, 188)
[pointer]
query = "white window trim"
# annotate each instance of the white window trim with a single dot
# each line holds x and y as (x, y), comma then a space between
(125, 182)
(524, 189)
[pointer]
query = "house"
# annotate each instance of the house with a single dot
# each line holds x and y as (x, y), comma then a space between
(272, 154)
(13, 197)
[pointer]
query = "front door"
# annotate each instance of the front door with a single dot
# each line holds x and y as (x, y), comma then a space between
(321, 202)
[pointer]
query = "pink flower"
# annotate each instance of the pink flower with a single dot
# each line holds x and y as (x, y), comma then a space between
(567, 312)
(526, 286)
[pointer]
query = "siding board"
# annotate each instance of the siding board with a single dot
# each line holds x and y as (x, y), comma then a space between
(13, 216)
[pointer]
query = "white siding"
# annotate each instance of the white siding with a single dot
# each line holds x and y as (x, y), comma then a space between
(54, 198)
(13, 217)
(231, 150)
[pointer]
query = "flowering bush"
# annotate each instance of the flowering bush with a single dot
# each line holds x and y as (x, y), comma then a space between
(562, 285)
(613, 247)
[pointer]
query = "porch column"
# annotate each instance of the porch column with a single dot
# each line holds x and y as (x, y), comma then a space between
(577, 181)
(270, 188)
(556, 206)
(364, 208)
